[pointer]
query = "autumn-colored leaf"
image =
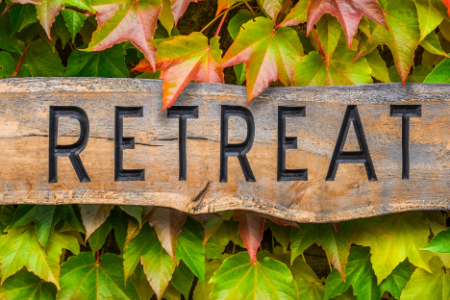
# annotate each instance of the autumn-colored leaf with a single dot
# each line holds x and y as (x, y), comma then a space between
(402, 38)
(447, 3)
(267, 53)
(348, 12)
(251, 228)
(126, 20)
(224, 4)
(187, 58)
(93, 216)
(179, 7)
(168, 224)
(271, 7)
(296, 15)
(47, 12)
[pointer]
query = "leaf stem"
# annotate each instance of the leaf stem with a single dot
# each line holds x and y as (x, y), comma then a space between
(249, 7)
(282, 12)
(221, 22)
(98, 256)
(21, 60)
(216, 18)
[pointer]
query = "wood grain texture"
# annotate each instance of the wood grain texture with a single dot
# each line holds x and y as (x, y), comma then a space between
(24, 123)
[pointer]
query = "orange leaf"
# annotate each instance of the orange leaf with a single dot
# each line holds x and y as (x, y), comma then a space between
(179, 7)
(251, 228)
(187, 58)
(447, 3)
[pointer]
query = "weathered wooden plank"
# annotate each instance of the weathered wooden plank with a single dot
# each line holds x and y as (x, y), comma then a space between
(24, 148)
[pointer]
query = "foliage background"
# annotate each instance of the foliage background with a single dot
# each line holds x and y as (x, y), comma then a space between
(107, 252)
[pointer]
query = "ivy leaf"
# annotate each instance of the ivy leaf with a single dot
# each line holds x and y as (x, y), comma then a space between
(271, 7)
(82, 277)
(98, 238)
(224, 4)
(168, 224)
(41, 61)
(402, 38)
(447, 3)
(440, 243)
(179, 7)
(74, 21)
(434, 285)
(133, 230)
(109, 63)
(431, 44)
(296, 15)
(419, 74)
(142, 285)
(267, 278)
(24, 283)
(6, 211)
(281, 233)
(216, 244)
(431, 13)
(182, 279)
(93, 216)
(406, 234)
(126, 20)
(348, 12)
(190, 248)
(210, 227)
(158, 266)
(378, 66)
(46, 218)
(22, 16)
(187, 58)
(8, 42)
(301, 239)
(20, 248)
(235, 24)
(440, 73)
(47, 12)
(134, 211)
(251, 228)
(359, 274)
(267, 53)
(397, 280)
(203, 291)
(329, 31)
(313, 70)
(83, 5)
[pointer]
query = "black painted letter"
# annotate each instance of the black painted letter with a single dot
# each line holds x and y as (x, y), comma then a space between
(122, 143)
(240, 150)
(285, 143)
(351, 157)
(182, 113)
(406, 112)
(72, 151)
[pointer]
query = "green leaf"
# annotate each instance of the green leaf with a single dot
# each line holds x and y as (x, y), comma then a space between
(217, 243)
(329, 30)
(240, 72)
(402, 38)
(397, 280)
(81, 4)
(419, 74)
(440, 74)
(22, 16)
(8, 41)
(313, 70)
(404, 235)
(118, 219)
(94, 215)
(190, 248)
(109, 63)
(6, 211)
(431, 44)
(83, 278)
(98, 237)
(158, 265)
(26, 284)
(281, 233)
(203, 291)
(182, 279)
(378, 66)
(432, 285)
(431, 13)
(142, 285)
(41, 61)
(235, 24)
(134, 211)
(440, 243)
(238, 279)
(7, 64)
(166, 17)
(359, 274)
(47, 13)
(74, 21)
(62, 31)
(20, 248)
(46, 217)
(297, 14)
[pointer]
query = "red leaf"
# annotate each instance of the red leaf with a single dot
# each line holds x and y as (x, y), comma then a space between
(168, 224)
(187, 58)
(251, 228)
(447, 3)
(348, 12)
(285, 223)
(126, 20)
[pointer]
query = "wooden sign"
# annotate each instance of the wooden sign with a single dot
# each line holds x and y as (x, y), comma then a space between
(315, 154)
